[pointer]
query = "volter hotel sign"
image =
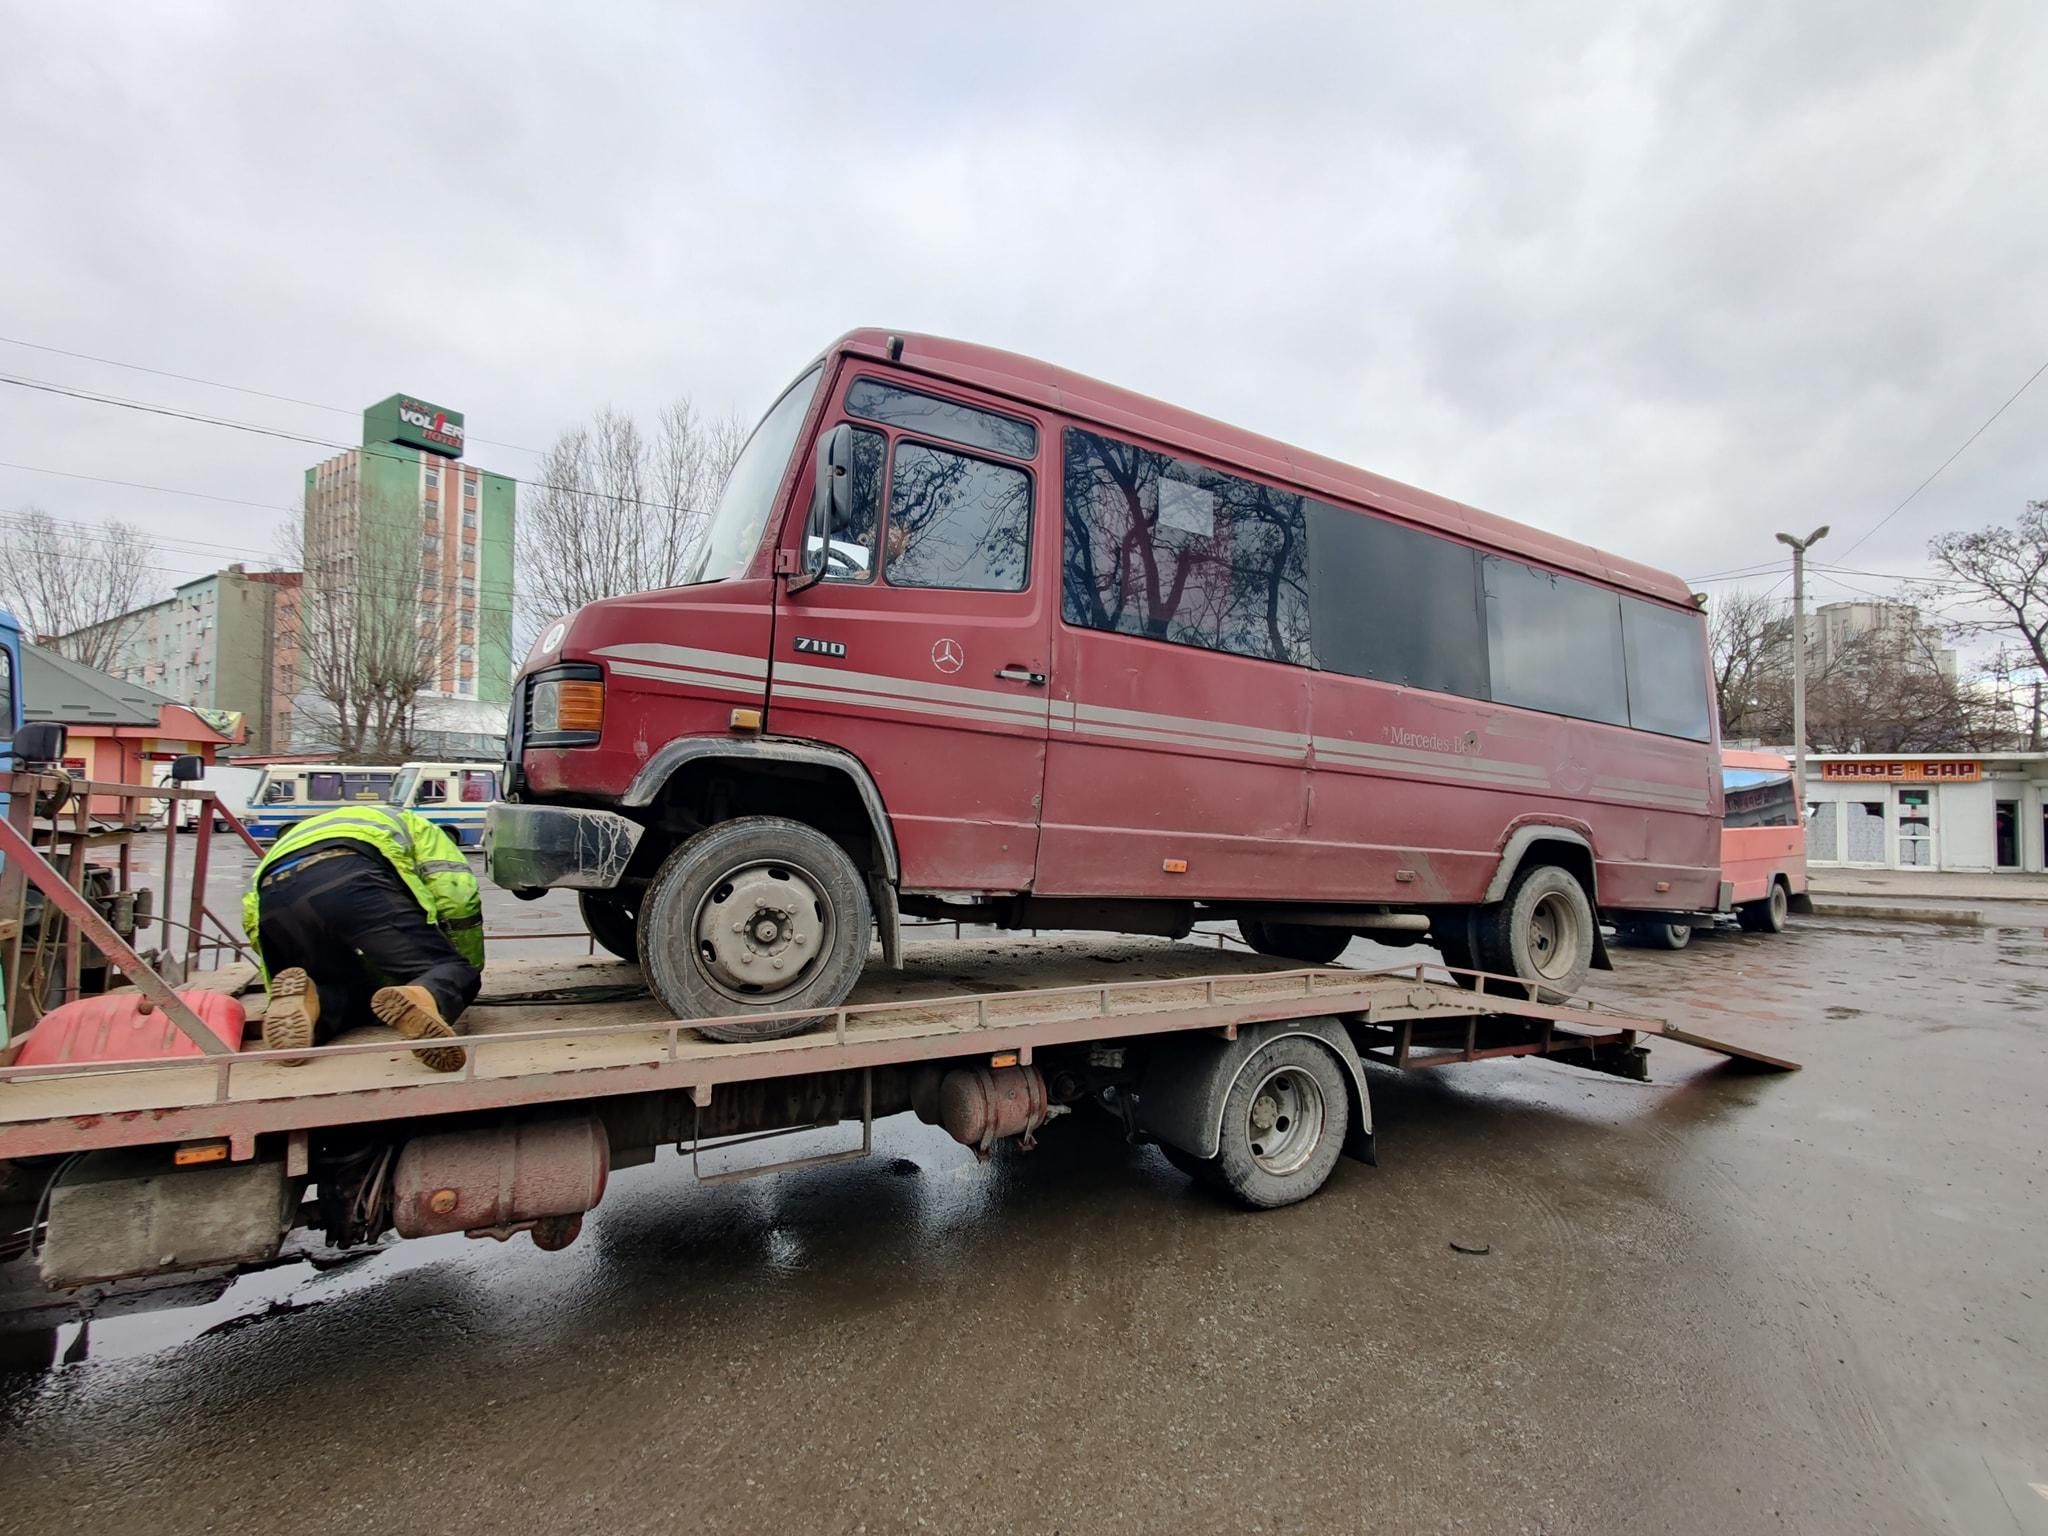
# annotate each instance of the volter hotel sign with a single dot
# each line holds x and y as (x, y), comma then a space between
(415, 423)
(1904, 771)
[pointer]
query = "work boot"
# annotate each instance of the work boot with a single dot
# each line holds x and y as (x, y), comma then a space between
(293, 1010)
(412, 1012)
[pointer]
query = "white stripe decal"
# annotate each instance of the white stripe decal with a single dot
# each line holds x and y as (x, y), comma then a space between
(1226, 731)
(1165, 738)
(1030, 706)
(869, 702)
(682, 656)
(752, 688)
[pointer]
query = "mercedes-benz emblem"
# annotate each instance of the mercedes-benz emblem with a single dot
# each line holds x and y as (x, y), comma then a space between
(947, 656)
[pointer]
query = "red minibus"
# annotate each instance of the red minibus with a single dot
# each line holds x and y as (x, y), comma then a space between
(974, 637)
(1763, 851)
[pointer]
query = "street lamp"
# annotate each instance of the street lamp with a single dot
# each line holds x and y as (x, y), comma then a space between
(1799, 548)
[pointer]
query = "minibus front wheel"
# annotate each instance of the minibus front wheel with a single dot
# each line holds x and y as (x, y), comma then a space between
(755, 915)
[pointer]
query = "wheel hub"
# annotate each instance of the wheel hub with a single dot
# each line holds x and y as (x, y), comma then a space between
(1284, 1123)
(761, 929)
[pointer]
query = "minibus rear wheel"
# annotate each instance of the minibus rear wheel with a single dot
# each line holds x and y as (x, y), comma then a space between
(755, 915)
(1543, 932)
(1306, 942)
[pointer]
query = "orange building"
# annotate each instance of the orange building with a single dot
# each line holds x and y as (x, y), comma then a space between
(116, 732)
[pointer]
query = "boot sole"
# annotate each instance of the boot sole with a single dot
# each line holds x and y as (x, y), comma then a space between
(287, 1021)
(393, 1007)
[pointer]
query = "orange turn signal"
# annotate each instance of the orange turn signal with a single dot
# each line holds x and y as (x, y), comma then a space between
(746, 720)
(581, 705)
(200, 1152)
(1003, 1059)
(1174, 866)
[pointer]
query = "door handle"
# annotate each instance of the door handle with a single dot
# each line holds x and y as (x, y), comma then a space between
(1021, 675)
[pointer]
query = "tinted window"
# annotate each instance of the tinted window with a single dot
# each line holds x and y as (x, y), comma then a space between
(323, 786)
(479, 784)
(1171, 550)
(1667, 669)
(957, 522)
(1759, 797)
(1553, 643)
(929, 416)
(1395, 604)
(6, 694)
(850, 555)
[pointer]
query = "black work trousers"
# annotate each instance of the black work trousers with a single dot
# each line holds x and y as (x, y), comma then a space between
(353, 926)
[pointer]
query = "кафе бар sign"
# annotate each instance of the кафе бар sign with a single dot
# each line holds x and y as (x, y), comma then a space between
(1903, 770)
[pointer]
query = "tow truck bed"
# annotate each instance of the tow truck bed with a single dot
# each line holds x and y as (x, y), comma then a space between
(563, 1031)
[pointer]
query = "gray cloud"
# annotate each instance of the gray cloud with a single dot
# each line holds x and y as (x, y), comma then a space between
(1663, 281)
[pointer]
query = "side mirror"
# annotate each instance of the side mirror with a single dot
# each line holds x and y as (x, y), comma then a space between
(188, 769)
(39, 745)
(831, 502)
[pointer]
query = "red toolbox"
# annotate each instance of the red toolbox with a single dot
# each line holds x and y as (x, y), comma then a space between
(116, 1028)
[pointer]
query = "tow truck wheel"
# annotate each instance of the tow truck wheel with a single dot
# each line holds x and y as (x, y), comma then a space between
(1284, 1124)
(1768, 915)
(1201, 1169)
(755, 915)
(611, 923)
(1304, 942)
(27, 1351)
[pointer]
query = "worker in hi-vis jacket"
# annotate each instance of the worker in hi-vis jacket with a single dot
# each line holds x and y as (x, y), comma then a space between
(367, 911)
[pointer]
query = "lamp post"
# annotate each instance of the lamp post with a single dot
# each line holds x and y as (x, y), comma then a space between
(1799, 548)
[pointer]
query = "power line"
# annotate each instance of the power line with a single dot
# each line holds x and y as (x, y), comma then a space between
(1895, 511)
(137, 485)
(372, 450)
(240, 389)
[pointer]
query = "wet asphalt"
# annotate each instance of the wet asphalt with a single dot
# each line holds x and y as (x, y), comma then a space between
(1717, 1301)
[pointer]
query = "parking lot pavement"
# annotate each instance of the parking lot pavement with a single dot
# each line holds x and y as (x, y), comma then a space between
(1715, 1302)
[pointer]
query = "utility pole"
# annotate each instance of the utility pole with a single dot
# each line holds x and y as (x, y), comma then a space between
(2034, 735)
(1799, 548)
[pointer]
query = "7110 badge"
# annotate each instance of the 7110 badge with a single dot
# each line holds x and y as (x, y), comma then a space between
(810, 647)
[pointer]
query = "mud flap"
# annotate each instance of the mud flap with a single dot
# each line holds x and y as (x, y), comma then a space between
(1186, 1081)
(888, 919)
(1601, 962)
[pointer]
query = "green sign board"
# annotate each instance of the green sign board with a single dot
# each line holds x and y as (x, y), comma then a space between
(402, 419)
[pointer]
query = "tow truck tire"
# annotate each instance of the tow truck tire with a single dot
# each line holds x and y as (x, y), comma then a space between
(1543, 932)
(611, 923)
(1201, 1169)
(759, 914)
(1284, 1124)
(27, 1351)
(1768, 915)
(1308, 943)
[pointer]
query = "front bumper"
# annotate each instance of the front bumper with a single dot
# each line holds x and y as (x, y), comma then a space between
(541, 847)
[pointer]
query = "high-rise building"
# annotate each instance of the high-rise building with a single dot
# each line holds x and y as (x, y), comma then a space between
(408, 559)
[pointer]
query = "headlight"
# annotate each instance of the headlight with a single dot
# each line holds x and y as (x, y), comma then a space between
(565, 706)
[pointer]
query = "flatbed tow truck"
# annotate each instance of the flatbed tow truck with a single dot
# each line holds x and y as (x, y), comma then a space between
(136, 1184)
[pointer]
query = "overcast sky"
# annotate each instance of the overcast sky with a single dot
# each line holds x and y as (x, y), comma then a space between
(1666, 278)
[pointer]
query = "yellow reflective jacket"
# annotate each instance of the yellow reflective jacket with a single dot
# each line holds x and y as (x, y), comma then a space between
(426, 859)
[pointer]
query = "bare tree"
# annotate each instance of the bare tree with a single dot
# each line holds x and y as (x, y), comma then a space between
(1887, 692)
(2003, 572)
(1743, 629)
(613, 510)
(72, 587)
(370, 634)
